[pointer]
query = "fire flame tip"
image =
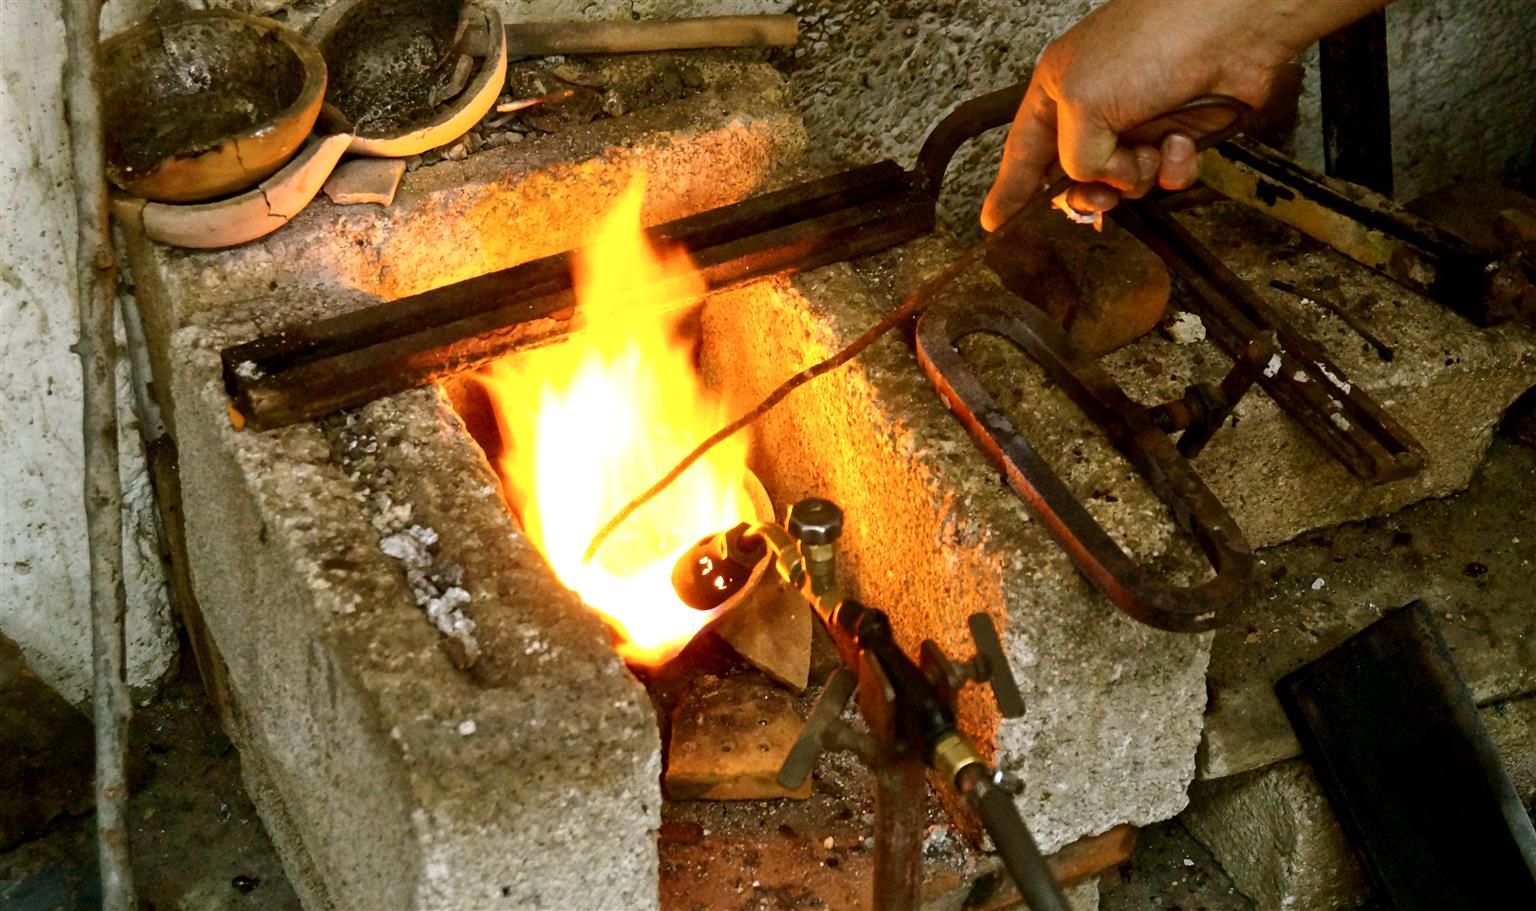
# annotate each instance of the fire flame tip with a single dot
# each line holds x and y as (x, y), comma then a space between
(589, 422)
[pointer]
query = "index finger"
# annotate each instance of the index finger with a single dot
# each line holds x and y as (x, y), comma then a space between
(1028, 153)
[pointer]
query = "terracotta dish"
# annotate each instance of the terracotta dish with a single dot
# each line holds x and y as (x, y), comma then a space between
(245, 216)
(411, 75)
(206, 103)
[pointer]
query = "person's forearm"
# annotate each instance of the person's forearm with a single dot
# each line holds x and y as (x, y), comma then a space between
(1129, 61)
(1288, 27)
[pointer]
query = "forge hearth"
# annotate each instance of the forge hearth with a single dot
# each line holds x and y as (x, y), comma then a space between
(404, 759)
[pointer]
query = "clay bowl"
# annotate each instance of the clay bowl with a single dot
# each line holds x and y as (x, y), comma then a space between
(206, 103)
(391, 62)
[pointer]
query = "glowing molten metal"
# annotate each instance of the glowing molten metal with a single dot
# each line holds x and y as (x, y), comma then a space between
(589, 423)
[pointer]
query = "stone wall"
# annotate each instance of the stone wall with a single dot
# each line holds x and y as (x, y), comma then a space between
(44, 590)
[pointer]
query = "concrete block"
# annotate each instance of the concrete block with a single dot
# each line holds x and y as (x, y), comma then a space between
(1469, 557)
(507, 205)
(428, 718)
(408, 781)
(1275, 835)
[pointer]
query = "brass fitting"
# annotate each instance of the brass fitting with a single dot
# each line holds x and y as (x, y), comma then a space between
(952, 754)
(820, 567)
(786, 553)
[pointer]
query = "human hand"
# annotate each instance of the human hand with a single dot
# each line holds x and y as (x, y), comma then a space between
(1129, 61)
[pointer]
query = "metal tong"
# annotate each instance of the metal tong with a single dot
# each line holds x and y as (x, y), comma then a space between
(1133, 430)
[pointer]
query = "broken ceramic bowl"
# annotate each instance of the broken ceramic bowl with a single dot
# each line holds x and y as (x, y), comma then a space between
(245, 216)
(206, 103)
(411, 75)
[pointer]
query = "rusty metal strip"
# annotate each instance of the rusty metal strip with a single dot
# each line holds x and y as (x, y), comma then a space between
(1302, 379)
(307, 371)
(1369, 228)
(1135, 590)
(310, 371)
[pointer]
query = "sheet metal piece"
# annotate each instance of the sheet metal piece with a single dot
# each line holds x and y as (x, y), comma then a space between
(1303, 380)
(1135, 590)
(1395, 738)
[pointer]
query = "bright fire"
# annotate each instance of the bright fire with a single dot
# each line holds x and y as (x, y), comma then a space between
(590, 423)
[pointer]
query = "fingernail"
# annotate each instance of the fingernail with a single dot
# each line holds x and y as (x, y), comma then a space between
(1180, 147)
(1146, 167)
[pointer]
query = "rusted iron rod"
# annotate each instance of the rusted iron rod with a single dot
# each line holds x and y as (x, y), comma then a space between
(1302, 379)
(305, 372)
(96, 300)
(1367, 227)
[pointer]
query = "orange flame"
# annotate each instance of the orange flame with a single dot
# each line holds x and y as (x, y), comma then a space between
(590, 423)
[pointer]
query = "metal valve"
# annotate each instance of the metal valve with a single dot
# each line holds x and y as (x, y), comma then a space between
(989, 665)
(824, 730)
(815, 521)
(817, 524)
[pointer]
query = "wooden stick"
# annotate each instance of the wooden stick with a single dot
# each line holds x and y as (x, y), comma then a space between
(96, 299)
(542, 39)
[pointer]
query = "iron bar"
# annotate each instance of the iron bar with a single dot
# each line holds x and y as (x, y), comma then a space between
(306, 372)
(1301, 378)
(1365, 226)
(1357, 109)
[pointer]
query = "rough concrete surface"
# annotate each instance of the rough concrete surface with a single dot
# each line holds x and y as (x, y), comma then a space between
(1274, 833)
(397, 771)
(510, 204)
(44, 587)
(1470, 557)
(1457, 72)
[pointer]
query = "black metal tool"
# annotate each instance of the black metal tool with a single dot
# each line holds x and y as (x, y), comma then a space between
(1396, 741)
(908, 706)
(1483, 285)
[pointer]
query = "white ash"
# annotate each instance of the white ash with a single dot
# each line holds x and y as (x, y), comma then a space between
(247, 370)
(937, 839)
(466, 728)
(1318, 583)
(1272, 369)
(1299, 376)
(1186, 328)
(1339, 420)
(435, 585)
(1334, 378)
